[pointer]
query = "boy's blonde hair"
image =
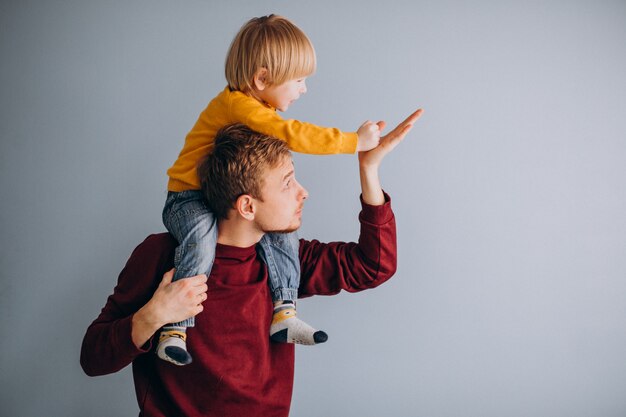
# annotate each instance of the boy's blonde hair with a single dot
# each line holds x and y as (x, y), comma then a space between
(271, 42)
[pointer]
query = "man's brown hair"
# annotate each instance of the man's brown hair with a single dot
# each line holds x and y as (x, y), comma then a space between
(236, 166)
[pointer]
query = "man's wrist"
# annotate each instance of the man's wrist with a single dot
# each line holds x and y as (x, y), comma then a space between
(147, 318)
(372, 193)
(368, 169)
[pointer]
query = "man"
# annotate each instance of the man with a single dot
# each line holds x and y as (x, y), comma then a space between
(237, 371)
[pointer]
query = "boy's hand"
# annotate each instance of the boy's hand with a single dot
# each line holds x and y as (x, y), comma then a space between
(369, 136)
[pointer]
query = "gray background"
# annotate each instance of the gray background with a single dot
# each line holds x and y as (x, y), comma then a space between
(510, 194)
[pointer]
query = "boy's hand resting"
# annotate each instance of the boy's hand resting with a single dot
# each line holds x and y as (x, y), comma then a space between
(369, 136)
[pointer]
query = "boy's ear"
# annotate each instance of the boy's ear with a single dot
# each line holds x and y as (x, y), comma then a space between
(245, 206)
(260, 79)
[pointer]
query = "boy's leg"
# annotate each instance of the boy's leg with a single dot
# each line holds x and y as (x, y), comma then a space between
(188, 219)
(280, 252)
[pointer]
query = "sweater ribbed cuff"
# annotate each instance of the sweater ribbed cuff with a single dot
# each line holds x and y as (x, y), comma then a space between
(376, 214)
(126, 341)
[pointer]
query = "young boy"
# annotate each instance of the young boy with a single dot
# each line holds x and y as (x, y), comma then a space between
(266, 68)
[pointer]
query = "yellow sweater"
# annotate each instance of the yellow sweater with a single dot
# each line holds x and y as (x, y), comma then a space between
(236, 107)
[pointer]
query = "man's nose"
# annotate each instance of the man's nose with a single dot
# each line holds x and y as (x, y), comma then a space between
(303, 194)
(303, 88)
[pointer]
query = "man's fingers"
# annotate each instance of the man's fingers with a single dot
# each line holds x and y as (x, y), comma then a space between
(381, 125)
(392, 140)
(397, 135)
(406, 130)
(413, 117)
(406, 125)
(200, 292)
(197, 279)
(408, 122)
(167, 277)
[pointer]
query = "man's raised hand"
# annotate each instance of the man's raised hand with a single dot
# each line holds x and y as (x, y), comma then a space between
(388, 142)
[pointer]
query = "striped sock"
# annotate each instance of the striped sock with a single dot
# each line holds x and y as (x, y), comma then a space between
(172, 345)
(288, 328)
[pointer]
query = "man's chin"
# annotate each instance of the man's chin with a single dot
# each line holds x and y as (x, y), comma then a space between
(289, 229)
(283, 231)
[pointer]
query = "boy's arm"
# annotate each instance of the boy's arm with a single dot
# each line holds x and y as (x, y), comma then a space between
(301, 137)
(330, 268)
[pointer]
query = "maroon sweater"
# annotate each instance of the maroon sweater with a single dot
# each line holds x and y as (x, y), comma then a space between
(237, 370)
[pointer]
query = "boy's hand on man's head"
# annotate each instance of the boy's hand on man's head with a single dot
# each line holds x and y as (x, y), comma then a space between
(369, 136)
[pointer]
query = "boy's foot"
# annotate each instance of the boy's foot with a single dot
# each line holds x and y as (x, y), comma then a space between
(287, 328)
(172, 346)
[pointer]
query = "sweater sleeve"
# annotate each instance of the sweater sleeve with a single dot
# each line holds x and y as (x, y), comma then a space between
(301, 137)
(107, 345)
(328, 268)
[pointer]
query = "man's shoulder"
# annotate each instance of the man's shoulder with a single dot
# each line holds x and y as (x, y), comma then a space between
(148, 261)
(158, 244)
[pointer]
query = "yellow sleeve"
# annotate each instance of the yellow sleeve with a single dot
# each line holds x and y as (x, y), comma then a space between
(300, 136)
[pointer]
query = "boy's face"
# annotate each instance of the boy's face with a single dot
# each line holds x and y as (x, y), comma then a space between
(283, 199)
(280, 96)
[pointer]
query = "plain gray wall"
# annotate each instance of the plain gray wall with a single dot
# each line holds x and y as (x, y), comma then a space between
(510, 195)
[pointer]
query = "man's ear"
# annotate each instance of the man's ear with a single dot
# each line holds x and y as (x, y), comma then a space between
(260, 79)
(245, 206)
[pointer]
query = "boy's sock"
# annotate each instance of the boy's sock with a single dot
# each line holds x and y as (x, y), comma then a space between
(287, 328)
(172, 345)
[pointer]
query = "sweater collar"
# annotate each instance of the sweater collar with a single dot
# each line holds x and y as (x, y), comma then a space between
(235, 252)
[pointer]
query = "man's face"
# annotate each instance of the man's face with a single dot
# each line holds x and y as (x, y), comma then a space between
(283, 199)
